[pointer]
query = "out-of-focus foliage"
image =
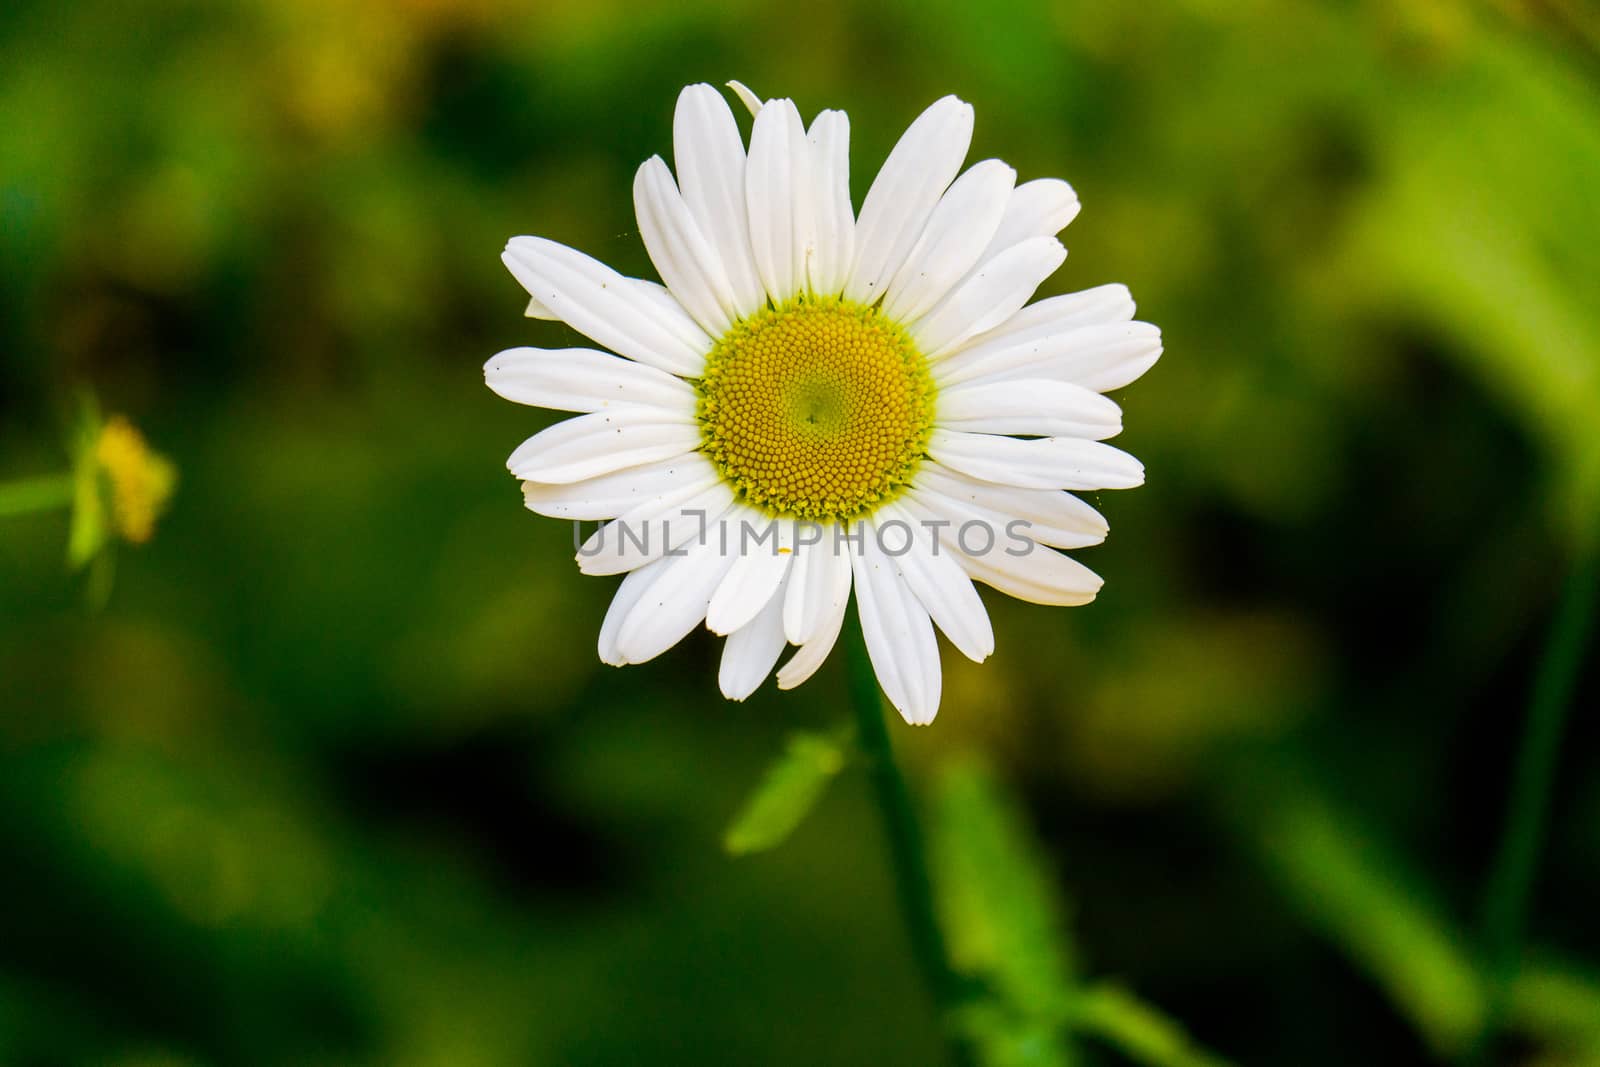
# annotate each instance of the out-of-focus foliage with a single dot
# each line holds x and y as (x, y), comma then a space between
(999, 907)
(336, 777)
(1348, 888)
(788, 791)
(1002, 922)
(1027, 1006)
(1140, 1032)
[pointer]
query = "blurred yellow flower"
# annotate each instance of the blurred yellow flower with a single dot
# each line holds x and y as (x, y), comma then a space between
(141, 480)
(120, 486)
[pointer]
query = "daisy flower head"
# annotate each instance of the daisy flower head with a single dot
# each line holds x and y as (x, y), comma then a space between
(816, 400)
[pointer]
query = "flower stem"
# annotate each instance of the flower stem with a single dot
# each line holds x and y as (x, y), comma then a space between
(1511, 878)
(907, 850)
(28, 495)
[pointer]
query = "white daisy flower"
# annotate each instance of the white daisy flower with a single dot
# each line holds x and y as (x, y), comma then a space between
(817, 400)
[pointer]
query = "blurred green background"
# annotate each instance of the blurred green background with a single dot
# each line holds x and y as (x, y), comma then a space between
(335, 775)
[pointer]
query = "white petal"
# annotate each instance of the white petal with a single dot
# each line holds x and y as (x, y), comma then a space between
(609, 495)
(655, 528)
(1043, 463)
(682, 254)
(988, 296)
(537, 310)
(940, 584)
(898, 633)
(1099, 357)
(581, 379)
(1029, 406)
(752, 651)
(811, 655)
(1107, 358)
(1039, 575)
(746, 97)
(819, 585)
(765, 554)
(919, 169)
(675, 601)
(835, 221)
(1057, 314)
(957, 233)
(605, 441)
(1040, 208)
(1048, 516)
(1025, 334)
(709, 155)
(602, 304)
(626, 598)
(777, 193)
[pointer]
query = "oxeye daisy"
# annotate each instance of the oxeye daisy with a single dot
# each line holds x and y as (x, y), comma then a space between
(816, 400)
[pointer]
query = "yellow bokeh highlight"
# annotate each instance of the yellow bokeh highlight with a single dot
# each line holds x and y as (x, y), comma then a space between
(141, 479)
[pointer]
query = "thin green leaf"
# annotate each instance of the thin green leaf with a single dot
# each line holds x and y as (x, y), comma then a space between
(90, 526)
(1345, 884)
(786, 794)
(1137, 1030)
(1560, 1005)
(1004, 1039)
(1003, 920)
(45, 493)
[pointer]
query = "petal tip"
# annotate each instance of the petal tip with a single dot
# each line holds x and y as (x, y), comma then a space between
(746, 97)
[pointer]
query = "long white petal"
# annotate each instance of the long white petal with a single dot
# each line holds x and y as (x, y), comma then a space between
(1011, 515)
(819, 584)
(654, 528)
(1098, 357)
(899, 635)
(777, 193)
(1031, 331)
(602, 304)
(1109, 360)
(682, 254)
(537, 310)
(956, 234)
(591, 445)
(752, 651)
(1029, 406)
(835, 221)
(709, 155)
(582, 379)
(609, 495)
(1040, 208)
(626, 598)
(766, 550)
(1015, 563)
(794, 600)
(919, 169)
(675, 601)
(939, 583)
(1040, 575)
(1043, 463)
(811, 655)
(987, 297)
(1057, 314)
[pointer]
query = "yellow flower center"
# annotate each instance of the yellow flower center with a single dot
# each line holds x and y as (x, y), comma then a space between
(818, 409)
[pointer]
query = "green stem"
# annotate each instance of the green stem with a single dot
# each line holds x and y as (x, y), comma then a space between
(907, 850)
(46, 493)
(1511, 879)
